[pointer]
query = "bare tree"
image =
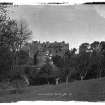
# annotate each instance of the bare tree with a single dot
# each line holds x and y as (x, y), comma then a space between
(21, 33)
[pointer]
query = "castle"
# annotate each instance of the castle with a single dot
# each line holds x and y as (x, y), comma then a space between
(52, 48)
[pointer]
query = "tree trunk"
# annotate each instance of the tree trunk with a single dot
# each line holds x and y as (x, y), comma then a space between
(26, 79)
(82, 77)
(67, 80)
(57, 81)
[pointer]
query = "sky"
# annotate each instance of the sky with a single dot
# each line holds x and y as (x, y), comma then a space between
(74, 24)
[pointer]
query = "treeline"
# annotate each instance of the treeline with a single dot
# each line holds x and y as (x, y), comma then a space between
(88, 63)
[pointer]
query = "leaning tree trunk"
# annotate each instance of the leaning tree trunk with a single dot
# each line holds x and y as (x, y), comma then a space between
(26, 80)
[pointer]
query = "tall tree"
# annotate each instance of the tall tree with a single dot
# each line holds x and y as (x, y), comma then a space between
(83, 59)
(83, 65)
(68, 68)
(97, 61)
(12, 35)
(5, 54)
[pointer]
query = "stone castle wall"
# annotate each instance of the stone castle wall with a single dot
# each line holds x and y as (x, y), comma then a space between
(55, 48)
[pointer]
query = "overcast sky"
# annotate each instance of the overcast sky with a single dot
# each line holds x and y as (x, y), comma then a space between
(74, 24)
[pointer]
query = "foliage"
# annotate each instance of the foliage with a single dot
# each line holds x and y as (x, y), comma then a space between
(58, 61)
(12, 38)
(22, 57)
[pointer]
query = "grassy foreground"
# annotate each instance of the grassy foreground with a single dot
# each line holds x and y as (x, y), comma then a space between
(87, 90)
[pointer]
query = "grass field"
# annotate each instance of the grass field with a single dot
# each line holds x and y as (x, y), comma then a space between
(87, 90)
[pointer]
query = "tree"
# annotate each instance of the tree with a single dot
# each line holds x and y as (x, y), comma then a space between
(68, 68)
(19, 34)
(3, 14)
(23, 33)
(84, 47)
(97, 57)
(73, 51)
(12, 37)
(83, 60)
(5, 54)
(3, 21)
(83, 65)
(102, 46)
